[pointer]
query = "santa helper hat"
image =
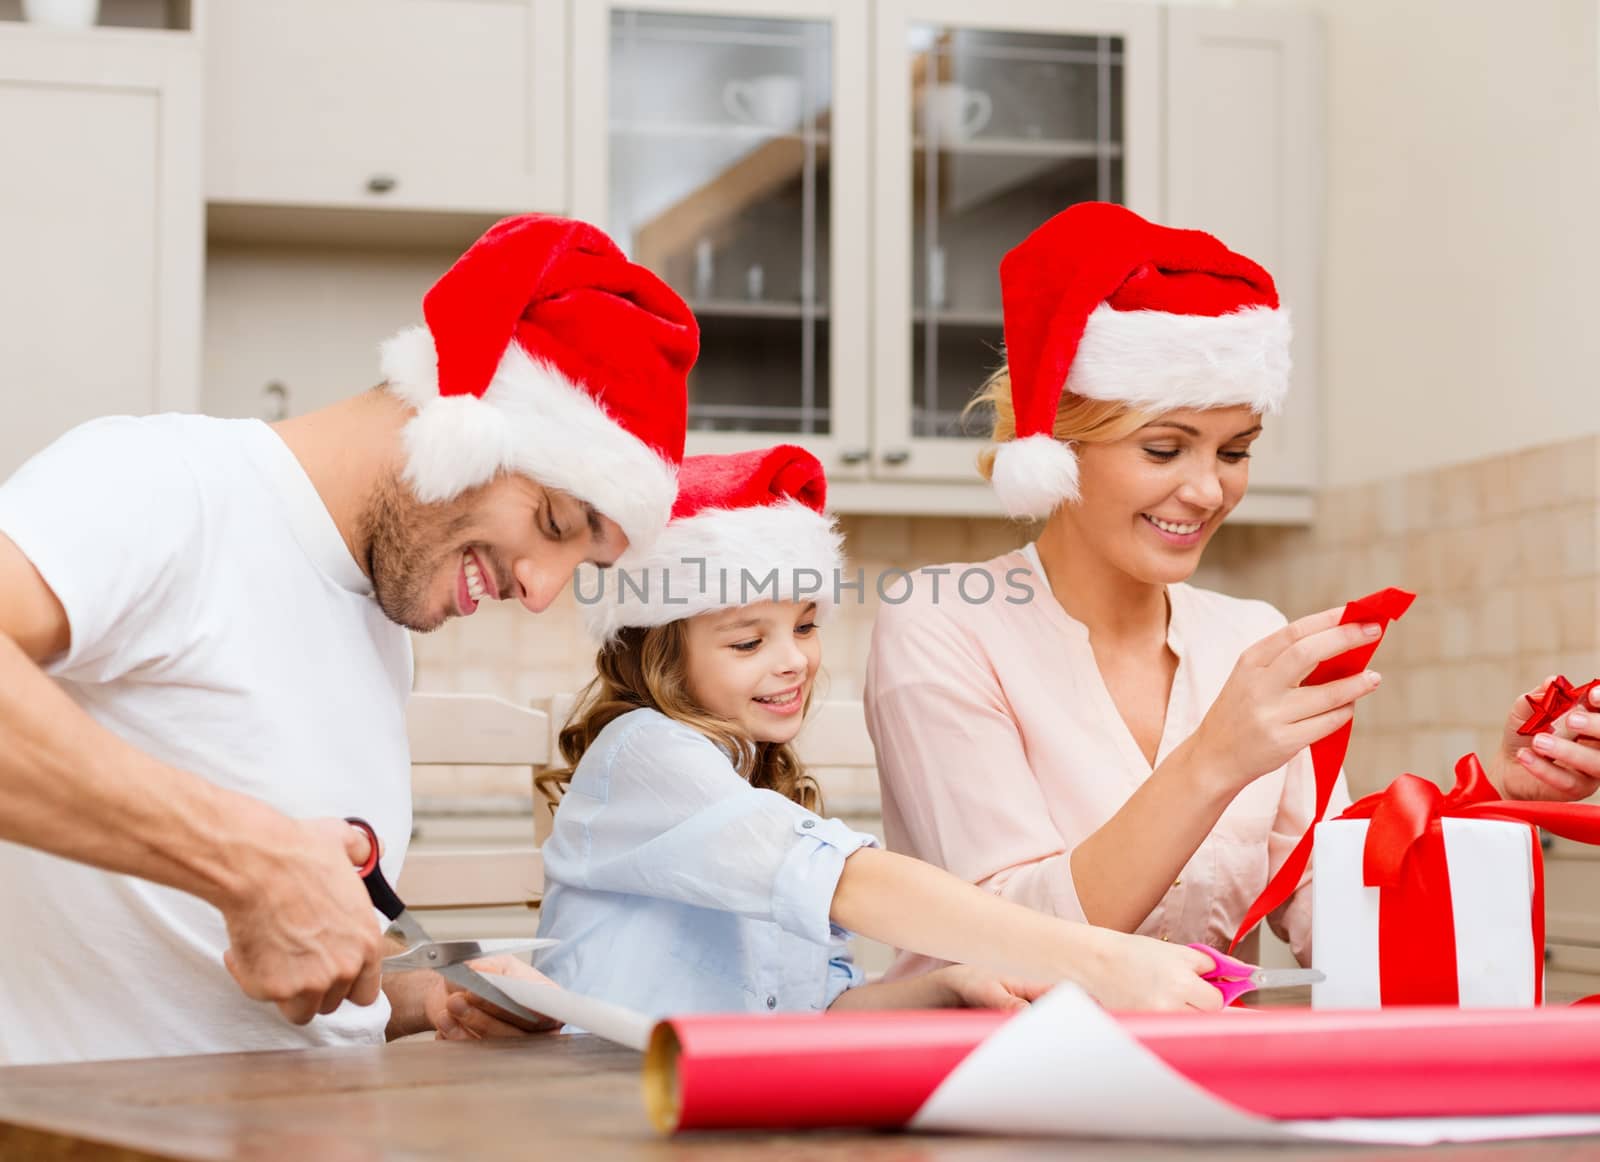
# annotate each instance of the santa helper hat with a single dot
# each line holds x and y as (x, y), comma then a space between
(547, 353)
(746, 527)
(1103, 304)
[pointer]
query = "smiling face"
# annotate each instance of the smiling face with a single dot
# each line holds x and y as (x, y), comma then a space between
(510, 540)
(754, 665)
(1152, 500)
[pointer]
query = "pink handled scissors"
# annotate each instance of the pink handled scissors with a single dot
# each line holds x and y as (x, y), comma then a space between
(1233, 978)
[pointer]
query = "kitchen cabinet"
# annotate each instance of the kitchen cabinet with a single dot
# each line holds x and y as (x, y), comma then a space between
(420, 105)
(835, 204)
(101, 227)
(990, 118)
(726, 147)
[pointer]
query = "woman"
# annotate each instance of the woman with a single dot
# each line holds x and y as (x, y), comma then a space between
(1122, 747)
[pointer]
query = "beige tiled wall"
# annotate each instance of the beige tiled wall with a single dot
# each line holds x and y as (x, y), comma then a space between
(1502, 555)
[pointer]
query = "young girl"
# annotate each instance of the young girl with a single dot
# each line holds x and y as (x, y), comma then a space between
(1124, 748)
(689, 868)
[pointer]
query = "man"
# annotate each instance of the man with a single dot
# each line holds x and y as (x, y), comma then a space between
(204, 658)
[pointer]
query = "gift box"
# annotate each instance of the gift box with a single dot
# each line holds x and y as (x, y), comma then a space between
(1428, 897)
(1483, 892)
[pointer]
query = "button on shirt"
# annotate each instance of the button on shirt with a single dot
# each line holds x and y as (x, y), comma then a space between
(675, 886)
(1000, 750)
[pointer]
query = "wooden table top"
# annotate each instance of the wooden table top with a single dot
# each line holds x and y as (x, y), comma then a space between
(547, 1096)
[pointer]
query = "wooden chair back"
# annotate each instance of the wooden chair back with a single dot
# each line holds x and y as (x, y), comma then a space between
(475, 730)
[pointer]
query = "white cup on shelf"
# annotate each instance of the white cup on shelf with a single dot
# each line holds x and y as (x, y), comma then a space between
(952, 112)
(772, 101)
(62, 13)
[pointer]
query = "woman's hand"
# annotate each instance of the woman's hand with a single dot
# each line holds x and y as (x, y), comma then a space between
(1560, 765)
(462, 1016)
(1137, 972)
(1263, 717)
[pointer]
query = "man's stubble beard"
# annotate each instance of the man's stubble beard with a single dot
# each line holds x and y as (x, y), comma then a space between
(407, 542)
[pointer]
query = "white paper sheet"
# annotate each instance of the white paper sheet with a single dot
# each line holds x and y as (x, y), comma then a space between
(602, 1018)
(1066, 1068)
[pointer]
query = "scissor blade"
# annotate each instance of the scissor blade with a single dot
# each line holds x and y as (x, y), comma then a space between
(479, 985)
(1284, 978)
(409, 929)
(442, 953)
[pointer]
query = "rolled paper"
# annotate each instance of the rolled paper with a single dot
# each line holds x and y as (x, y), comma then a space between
(805, 1070)
(874, 1070)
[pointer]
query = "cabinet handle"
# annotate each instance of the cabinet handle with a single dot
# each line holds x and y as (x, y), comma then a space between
(896, 456)
(277, 406)
(854, 456)
(381, 183)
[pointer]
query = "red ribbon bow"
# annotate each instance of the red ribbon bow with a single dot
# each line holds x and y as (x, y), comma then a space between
(1327, 754)
(1404, 858)
(1559, 697)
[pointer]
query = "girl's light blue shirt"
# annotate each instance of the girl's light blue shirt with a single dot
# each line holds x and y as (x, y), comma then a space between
(675, 886)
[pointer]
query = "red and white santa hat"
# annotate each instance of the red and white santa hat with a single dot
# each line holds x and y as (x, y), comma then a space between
(746, 527)
(547, 353)
(1101, 303)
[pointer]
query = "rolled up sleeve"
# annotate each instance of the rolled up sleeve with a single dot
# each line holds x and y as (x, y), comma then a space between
(665, 815)
(843, 972)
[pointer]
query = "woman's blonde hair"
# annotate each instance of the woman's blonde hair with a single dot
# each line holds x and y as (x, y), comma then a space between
(1078, 418)
(648, 668)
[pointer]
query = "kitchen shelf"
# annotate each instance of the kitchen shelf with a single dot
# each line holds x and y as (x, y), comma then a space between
(1023, 147)
(739, 309)
(723, 130)
(959, 318)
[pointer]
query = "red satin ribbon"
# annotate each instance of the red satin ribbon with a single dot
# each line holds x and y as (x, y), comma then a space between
(1327, 754)
(1559, 697)
(1404, 859)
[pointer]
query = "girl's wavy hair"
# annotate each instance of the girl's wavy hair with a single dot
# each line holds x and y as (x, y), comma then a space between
(647, 667)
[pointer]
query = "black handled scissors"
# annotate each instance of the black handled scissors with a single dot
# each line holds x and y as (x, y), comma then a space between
(447, 957)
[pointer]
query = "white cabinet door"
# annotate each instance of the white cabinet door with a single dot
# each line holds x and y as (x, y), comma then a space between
(725, 145)
(990, 117)
(1244, 129)
(414, 104)
(101, 227)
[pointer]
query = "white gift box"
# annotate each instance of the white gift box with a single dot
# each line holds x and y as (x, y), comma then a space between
(1491, 898)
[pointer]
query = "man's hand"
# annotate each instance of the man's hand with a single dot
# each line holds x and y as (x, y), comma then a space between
(301, 928)
(461, 1016)
(1560, 765)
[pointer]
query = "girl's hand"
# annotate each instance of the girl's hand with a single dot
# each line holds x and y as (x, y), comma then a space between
(975, 988)
(1559, 766)
(1263, 717)
(1137, 973)
(461, 1016)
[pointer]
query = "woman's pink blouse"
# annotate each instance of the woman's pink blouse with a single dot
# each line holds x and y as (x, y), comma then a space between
(1000, 749)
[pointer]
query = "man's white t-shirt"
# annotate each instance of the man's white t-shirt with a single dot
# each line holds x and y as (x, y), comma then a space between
(220, 624)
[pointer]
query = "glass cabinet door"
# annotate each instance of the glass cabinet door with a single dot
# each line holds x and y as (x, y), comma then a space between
(1002, 127)
(721, 176)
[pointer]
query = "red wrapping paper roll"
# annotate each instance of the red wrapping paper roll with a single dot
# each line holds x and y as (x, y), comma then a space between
(875, 1070)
